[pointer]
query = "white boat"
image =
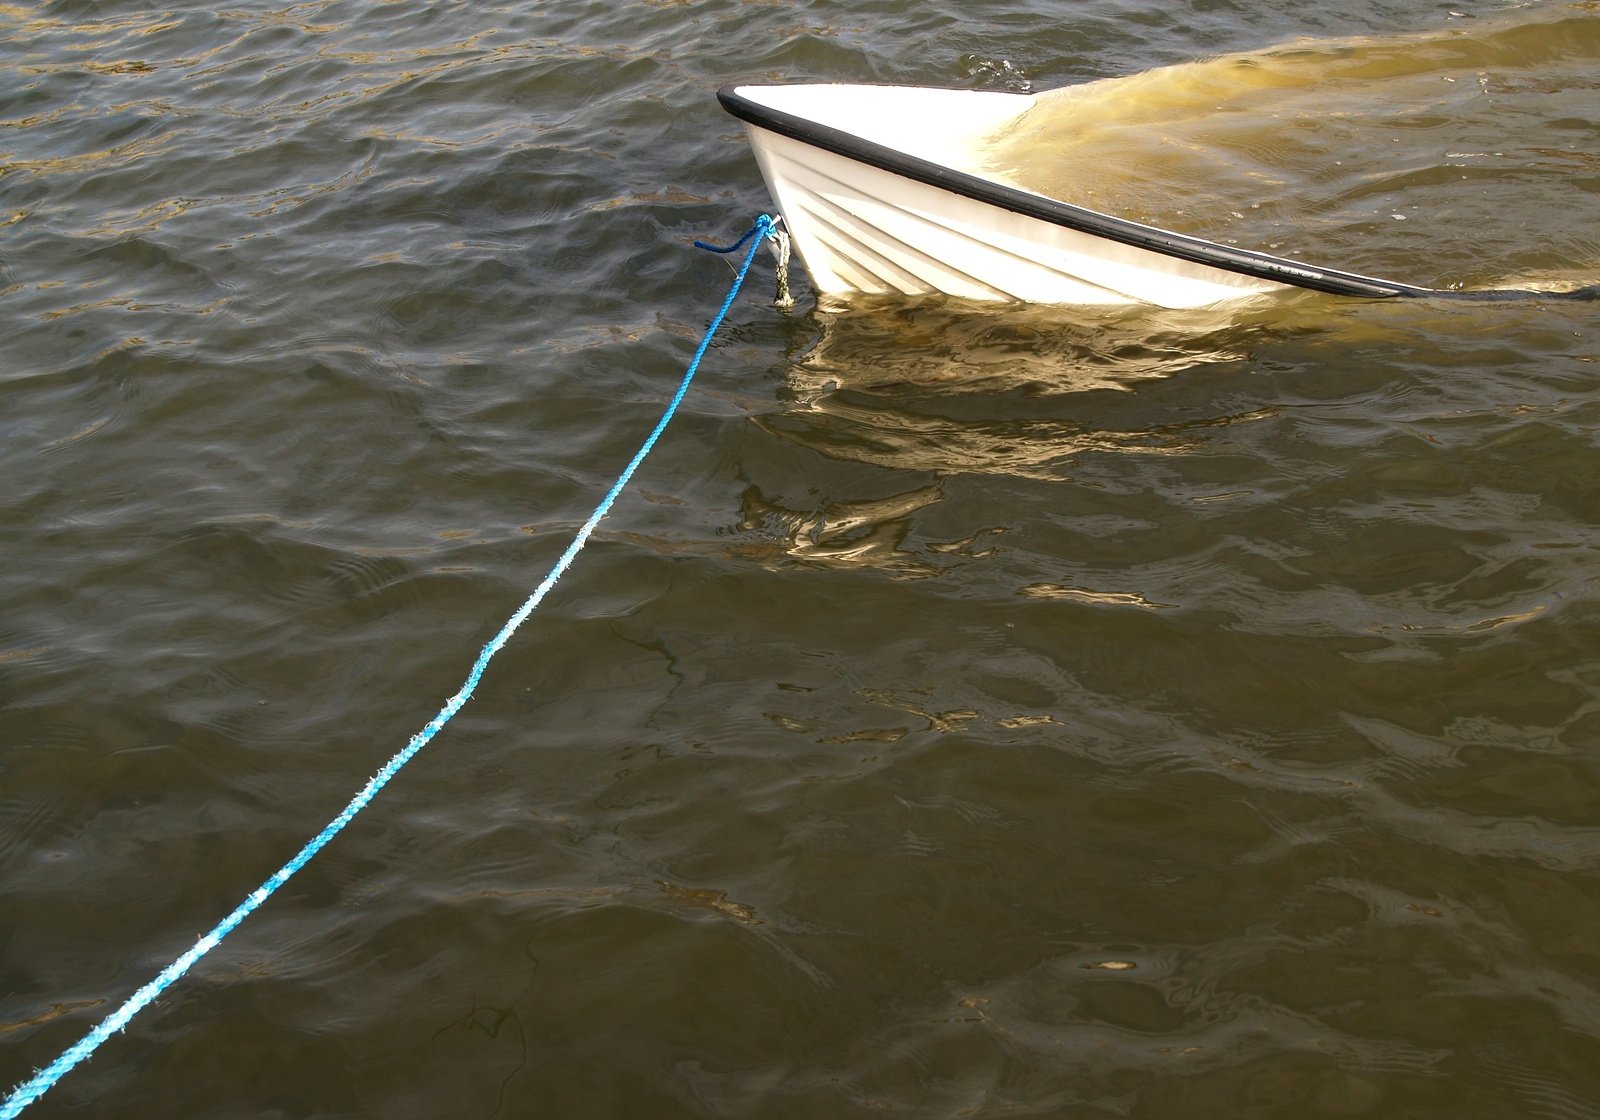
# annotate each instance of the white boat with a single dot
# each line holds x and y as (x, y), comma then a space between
(882, 191)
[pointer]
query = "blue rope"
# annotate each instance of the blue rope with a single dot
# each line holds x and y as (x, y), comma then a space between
(748, 234)
(30, 1090)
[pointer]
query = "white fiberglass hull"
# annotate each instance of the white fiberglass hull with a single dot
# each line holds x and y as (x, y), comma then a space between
(859, 228)
(877, 187)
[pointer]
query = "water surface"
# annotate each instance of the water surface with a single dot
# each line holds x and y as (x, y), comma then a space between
(968, 711)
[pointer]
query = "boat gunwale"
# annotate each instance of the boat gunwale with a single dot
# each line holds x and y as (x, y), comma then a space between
(1196, 250)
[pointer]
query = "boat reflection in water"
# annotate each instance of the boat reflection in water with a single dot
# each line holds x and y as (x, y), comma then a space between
(945, 386)
(932, 389)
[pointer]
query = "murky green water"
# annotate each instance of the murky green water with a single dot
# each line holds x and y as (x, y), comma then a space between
(1026, 713)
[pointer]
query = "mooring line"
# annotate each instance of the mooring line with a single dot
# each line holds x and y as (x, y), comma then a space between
(35, 1087)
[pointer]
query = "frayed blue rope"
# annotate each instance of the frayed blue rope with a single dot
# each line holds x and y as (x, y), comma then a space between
(35, 1087)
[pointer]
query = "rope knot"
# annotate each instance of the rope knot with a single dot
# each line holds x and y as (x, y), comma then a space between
(765, 229)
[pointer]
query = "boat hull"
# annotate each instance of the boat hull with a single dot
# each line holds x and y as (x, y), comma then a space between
(881, 191)
(860, 228)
